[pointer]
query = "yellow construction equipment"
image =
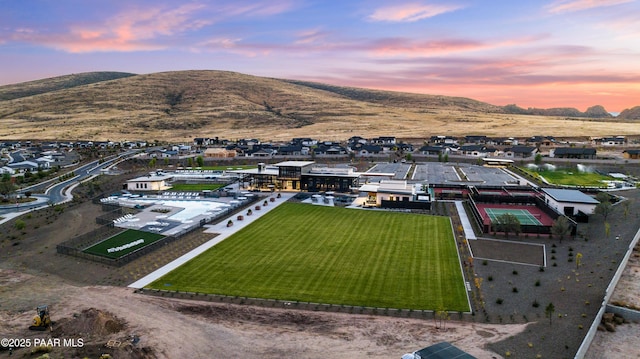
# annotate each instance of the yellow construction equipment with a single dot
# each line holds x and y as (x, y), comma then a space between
(41, 321)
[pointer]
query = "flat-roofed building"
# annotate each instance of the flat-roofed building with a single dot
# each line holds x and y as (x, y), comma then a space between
(151, 182)
(396, 194)
(569, 202)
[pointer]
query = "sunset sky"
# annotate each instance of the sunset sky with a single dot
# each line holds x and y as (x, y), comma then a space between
(539, 53)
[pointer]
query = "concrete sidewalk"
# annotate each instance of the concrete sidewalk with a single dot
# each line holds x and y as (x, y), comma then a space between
(223, 231)
(466, 225)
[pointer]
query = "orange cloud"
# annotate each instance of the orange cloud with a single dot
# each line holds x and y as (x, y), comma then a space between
(410, 12)
(562, 6)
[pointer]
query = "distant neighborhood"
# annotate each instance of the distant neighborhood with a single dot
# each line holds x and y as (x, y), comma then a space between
(30, 156)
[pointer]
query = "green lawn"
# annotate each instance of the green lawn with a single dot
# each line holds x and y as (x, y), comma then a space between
(126, 237)
(570, 177)
(195, 186)
(301, 252)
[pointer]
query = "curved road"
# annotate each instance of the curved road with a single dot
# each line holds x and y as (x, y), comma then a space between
(55, 192)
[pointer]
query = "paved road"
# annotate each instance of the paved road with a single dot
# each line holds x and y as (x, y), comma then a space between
(54, 191)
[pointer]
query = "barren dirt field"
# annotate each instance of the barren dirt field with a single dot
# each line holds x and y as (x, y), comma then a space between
(89, 301)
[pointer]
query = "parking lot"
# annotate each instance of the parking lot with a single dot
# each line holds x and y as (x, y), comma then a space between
(445, 173)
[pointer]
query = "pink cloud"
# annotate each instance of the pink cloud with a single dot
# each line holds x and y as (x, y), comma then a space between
(562, 6)
(407, 47)
(412, 48)
(145, 29)
(266, 8)
(410, 12)
(310, 37)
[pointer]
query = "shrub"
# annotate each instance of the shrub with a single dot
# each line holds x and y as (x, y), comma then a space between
(537, 284)
(535, 303)
(515, 272)
(490, 278)
(499, 301)
(541, 269)
(19, 224)
(514, 289)
(484, 262)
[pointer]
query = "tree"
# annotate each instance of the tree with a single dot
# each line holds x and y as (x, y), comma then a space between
(537, 159)
(549, 310)
(508, 223)
(626, 205)
(561, 227)
(152, 163)
(7, 188)
(200, 161)
(190, 162)
(604, 208)
(578, 260)
(439, 156)
(446, 157)
(6, 177)
(441, 319)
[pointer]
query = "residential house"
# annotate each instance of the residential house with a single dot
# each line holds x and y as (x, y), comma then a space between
(293, 150)
(368, 150)
(443, 140)
(474, 150)
(384, 140)
(356, 140)
(263, 152)
(573, 152)
(541, 140)
(304, 142)
(609, 141)
(219, 152)
(475, 140)
(7, 169)
(631, 154)
(434, 150)
(520, 151)
(329, 148)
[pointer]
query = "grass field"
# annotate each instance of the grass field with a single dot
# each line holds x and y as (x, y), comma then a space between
(301, 252)
(570, 177)
(195, 186)
(126, 237)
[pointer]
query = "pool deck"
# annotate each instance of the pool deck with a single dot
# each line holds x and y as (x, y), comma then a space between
(223, 232)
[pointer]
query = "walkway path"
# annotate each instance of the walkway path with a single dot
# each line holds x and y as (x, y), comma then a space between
(466, 225)
(223, 231)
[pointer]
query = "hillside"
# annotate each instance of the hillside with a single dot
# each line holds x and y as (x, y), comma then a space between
(37, 87)
(630, 114)
(181, 105)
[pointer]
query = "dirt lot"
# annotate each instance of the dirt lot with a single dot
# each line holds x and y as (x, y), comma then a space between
(88, 301)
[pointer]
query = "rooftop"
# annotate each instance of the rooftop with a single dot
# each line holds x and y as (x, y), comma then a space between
(569, 195)
(294, 163)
